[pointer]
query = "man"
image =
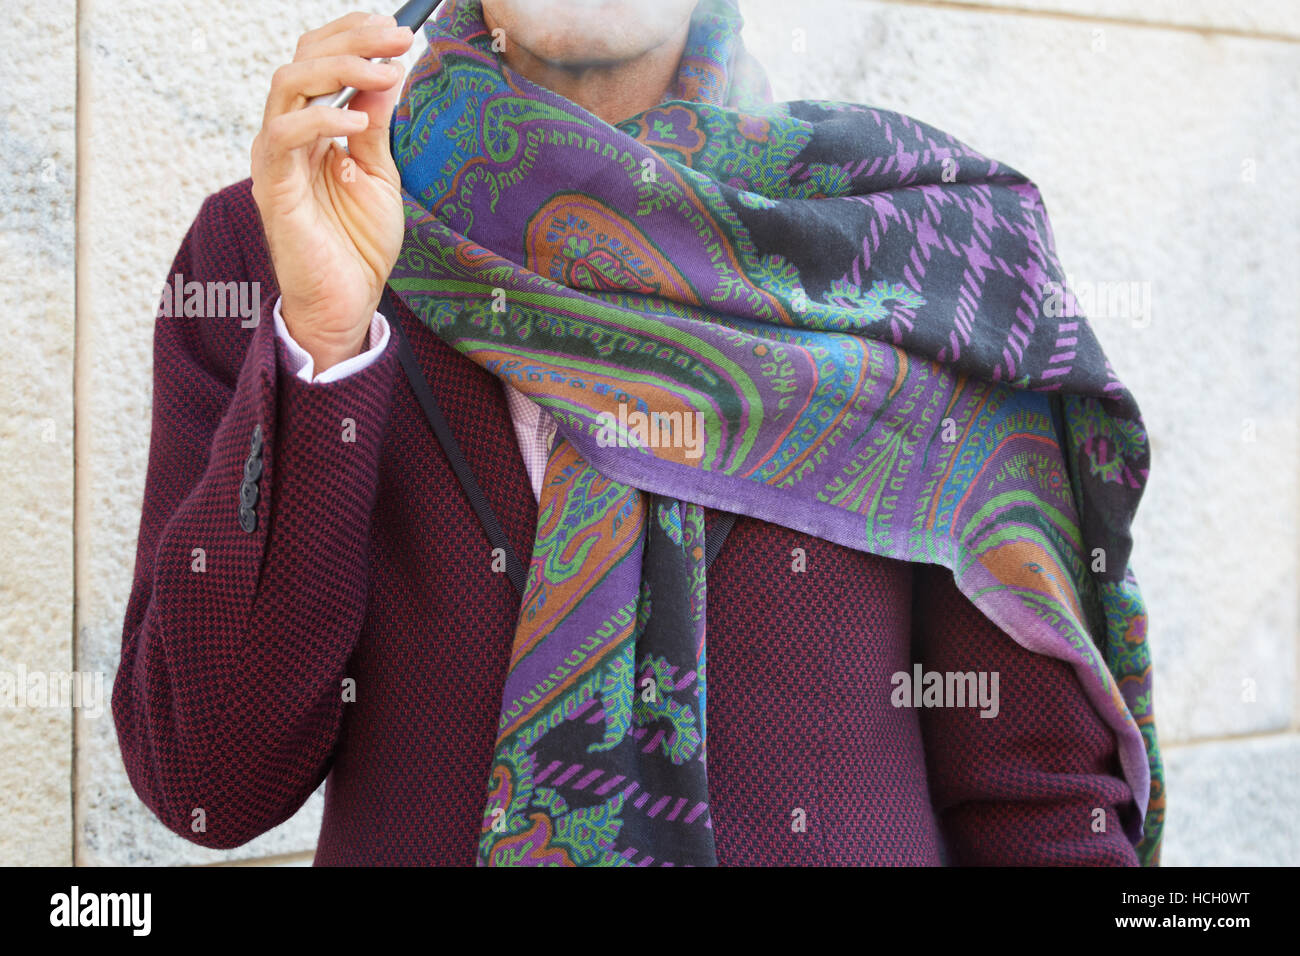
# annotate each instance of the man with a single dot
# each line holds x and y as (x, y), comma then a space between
(349, 620)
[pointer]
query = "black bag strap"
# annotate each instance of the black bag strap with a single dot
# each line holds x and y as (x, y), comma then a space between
(486, 516)
(717, 536)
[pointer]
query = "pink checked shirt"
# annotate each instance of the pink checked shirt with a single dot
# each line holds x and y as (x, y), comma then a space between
(534, 426)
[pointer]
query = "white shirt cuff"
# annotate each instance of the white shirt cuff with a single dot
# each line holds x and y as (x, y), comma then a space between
(298, 361)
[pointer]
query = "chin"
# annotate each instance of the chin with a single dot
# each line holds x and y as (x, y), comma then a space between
(576, 32)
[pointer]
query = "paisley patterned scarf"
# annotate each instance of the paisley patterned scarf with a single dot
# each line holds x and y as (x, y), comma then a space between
(869, 322)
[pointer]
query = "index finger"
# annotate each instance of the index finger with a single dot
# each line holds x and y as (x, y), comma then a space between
(349, 21)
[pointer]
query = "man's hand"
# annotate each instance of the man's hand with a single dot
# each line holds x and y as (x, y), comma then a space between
(333, 218)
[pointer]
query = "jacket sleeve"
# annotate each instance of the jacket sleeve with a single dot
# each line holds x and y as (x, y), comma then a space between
(1031, 785)
(250, 578)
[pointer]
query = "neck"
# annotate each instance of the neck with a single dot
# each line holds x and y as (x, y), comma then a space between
(612, 91)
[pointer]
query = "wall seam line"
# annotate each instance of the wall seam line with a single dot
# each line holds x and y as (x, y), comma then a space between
(76, 432)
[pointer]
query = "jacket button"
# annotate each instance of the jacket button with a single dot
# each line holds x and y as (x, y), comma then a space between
(253, 468)
(248, 494)
(255, 445)
(247, 519)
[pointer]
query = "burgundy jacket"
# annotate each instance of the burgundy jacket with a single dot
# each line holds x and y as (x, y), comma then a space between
(363, 559)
